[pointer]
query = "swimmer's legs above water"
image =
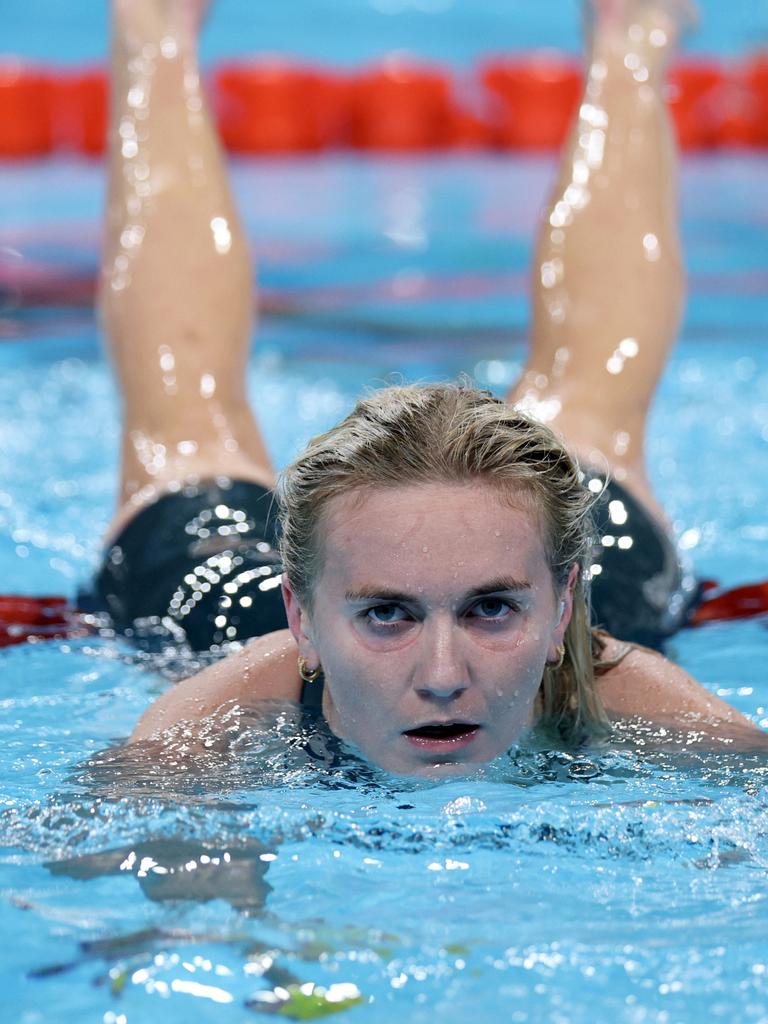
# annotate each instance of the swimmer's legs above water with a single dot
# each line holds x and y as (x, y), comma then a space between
(608, 284)
(177, 300)
(176, 287)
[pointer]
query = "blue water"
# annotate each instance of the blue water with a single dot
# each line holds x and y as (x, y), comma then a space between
(349, 32)
(627, 886)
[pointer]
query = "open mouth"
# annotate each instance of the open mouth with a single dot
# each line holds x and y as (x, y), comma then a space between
(452, 734)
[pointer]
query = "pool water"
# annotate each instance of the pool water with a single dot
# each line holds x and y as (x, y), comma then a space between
(350, 32)
(617, 885)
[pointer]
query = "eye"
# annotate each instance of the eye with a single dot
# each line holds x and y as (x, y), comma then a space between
(386, 614)
(491, 608)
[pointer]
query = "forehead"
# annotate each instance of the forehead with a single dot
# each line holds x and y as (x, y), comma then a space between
(442, 532)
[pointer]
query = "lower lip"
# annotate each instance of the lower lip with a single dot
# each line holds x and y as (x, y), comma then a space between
(431, 745)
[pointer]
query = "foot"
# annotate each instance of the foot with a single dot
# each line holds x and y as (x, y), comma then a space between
(138, 22)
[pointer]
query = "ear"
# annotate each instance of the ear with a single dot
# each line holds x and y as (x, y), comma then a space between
(565, 609)
(299, 623)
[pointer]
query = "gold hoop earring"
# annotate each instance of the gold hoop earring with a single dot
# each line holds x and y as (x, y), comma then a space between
(553, 666)
(309, 675)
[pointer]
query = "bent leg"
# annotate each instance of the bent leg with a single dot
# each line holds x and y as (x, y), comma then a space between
(608, 282)
(176, 290)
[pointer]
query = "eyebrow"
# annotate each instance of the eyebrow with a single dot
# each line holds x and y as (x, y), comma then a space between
(500, 585)
(504, 584)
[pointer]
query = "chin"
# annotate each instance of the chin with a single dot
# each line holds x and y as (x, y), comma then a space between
(434, 768)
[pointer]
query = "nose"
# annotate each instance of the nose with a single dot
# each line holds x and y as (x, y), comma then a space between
(442, 671)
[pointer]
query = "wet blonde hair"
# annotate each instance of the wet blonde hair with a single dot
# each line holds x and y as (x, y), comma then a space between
(455, 433)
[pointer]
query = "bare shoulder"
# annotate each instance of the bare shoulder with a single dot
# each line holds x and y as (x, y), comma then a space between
(266, 669)
(645, 684)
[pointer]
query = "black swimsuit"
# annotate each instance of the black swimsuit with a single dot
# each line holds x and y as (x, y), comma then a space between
(312, 694)
(641, 589)
(199, 566)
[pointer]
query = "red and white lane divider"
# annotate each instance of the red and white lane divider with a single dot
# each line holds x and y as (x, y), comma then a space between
(37, 618)
(277, 105)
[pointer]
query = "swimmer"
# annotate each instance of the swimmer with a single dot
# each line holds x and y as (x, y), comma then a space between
(428, 585)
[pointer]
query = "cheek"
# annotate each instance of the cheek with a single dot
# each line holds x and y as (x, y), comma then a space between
(355, 669)
(358, 683)
(521, 674)
(359, 693)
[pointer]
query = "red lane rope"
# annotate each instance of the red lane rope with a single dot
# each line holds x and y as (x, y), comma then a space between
(276, 105)
(738, 603)
(35, 618)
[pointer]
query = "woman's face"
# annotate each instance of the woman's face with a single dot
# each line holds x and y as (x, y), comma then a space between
(433, 616)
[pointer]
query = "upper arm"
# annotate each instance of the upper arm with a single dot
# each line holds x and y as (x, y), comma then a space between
(264, 669)
(646, 685)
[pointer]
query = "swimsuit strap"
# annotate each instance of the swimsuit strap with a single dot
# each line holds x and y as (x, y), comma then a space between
(312, 694)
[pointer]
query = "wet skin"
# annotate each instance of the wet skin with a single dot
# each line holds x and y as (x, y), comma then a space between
(435, 604)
